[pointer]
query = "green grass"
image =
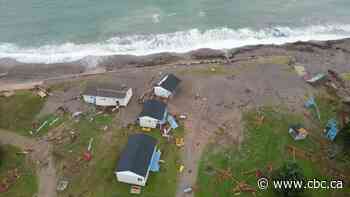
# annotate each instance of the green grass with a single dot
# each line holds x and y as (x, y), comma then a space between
(263, 145)
(18, 112)
(345, 76)
(328, 106)
(221, 70)
(27, 184)
(213, 70)
(96, 178)
(276, 60)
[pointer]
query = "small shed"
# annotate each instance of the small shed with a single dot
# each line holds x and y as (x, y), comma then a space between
(166, 86)
(103, 94)
(154, 113)
(136, 159)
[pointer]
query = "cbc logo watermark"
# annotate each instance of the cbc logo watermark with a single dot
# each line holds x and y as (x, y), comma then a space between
(263, 183)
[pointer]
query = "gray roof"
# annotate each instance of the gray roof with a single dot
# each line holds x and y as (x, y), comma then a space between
(154, 109)
(137, 154)
(106, 90)
(169, 82)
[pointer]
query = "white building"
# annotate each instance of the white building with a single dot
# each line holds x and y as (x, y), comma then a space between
(136, 160)
(107, 95)
(154, 114)
(166, 86)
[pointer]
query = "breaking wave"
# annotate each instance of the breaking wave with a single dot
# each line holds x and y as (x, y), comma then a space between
(182, 41)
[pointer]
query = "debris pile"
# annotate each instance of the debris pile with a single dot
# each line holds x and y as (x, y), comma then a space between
(10, 179)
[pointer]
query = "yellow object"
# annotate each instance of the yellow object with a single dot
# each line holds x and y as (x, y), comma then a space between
(181, 169)
(180, 142)
(146, 129)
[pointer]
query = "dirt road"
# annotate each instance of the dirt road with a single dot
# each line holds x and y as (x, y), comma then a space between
(41, 155)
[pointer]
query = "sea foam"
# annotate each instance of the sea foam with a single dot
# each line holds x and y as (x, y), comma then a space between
(181, 41)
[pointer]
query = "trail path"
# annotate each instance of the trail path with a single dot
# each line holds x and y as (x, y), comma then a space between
(196, 138)
(41, 155)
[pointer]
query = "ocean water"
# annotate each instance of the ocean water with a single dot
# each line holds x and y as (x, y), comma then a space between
(50, 31)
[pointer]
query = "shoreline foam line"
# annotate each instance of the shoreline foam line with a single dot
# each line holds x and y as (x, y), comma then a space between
(182, 41)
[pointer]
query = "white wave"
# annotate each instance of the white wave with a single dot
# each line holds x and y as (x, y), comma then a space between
(156, 18)
(182, 41)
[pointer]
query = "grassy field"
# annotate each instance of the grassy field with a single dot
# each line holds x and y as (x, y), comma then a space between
(19, 111)
(221, 70)
(96, 178)
(26, 184)
(265, 144)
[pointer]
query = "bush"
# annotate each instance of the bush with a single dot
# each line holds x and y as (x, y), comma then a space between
(289, 171)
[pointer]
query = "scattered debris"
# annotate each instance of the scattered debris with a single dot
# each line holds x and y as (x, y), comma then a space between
(54, 121)
(105, 128)
(41, 92)
(317, 79)
(331, 129)
(244, 187)
(8, 93)
(3, 74)
(298, 132)
(180, 142)
(62, 185)
(41, 126)
(312, 103)
(22, 153)
(166, 130)
(154, 166)
(87, 156)
(135, 189)
(260, 120)
(146, 129)
(181, 168)
(183, 117)
(90, 144)
(9, 180)
(300, 70)
(172, 122)
(188, 190)
(77, 114)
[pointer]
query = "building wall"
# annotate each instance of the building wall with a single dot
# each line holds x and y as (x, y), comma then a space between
(148, 122)
(161, 92)
(125, 101)
(108, 101)
(130, 178)
(89, 99)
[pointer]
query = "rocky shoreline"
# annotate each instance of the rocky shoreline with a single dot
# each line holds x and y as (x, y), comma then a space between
(324, 54)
